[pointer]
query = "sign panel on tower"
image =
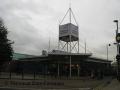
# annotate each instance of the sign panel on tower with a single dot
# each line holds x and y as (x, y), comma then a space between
(66, 30)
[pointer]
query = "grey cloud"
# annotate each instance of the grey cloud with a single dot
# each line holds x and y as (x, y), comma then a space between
(31, 22)
(24, 35)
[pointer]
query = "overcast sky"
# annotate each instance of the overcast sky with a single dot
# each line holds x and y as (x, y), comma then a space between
(31, 22)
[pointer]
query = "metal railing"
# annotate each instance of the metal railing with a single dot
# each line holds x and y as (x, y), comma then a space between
(37, 76)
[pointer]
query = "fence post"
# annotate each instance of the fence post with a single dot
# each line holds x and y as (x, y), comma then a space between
(22, 75)
(34, 75)
(10, 75)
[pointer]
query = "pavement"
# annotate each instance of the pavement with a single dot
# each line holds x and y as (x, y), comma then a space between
(105, 84)
(113, 85)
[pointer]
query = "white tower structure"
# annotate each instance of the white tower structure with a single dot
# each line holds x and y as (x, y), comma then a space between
(69, 34)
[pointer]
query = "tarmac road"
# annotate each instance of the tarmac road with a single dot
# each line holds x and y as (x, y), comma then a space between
(9, 88)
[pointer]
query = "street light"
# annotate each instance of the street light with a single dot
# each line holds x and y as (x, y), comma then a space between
(116, 21)
(107, 49)
(118, 51)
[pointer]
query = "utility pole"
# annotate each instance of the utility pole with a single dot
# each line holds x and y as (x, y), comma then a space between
(49, 45)
(70, 38)
(118, 51)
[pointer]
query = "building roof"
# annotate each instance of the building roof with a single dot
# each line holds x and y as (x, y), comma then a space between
(95, 59)
(18, 56)
(70, 54)
(53, 55)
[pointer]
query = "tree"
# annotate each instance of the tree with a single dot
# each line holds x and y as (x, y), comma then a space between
(6, 51)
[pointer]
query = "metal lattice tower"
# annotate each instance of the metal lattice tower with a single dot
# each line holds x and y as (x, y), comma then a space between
(69, 34)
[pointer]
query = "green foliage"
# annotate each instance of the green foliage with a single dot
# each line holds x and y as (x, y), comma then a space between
(6, 50)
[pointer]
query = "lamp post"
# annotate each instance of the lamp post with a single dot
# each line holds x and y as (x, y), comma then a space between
(107, 49)
(118, 51)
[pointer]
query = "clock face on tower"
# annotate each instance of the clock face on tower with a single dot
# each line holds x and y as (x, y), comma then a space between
(118, 38)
